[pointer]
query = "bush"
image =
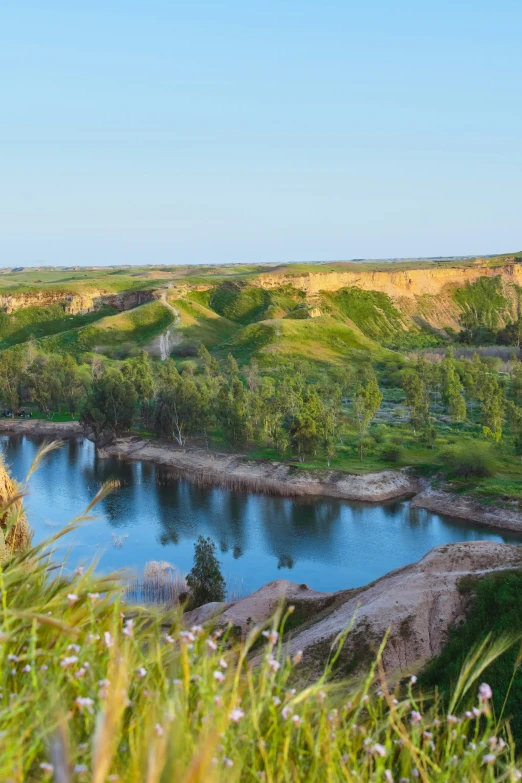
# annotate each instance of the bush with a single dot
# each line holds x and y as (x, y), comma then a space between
(470, 460)
(205, 580)
(391, 452)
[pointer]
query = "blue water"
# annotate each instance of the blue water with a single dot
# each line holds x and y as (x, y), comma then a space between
(328, 544)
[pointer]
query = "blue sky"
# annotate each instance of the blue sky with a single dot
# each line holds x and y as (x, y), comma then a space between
(197, 132)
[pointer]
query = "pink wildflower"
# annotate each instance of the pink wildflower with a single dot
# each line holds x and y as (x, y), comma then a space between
(485, 692)
(72, 598)
(236, 714)
(141, 672)
(219, 676)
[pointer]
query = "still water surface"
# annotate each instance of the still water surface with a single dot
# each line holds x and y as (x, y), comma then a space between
(329, 544)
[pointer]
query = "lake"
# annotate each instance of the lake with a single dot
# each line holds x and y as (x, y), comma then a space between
(329, 544)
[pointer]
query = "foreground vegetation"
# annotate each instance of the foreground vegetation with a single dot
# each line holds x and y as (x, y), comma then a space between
(94, 690)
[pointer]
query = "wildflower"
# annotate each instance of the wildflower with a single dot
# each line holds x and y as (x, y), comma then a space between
(485, 692)
(113, 778)
(44, 668)
(84, 701)
(272, 636)
(468, 714)
(228, 762)
(415, 717)
(413, 679)
(141, 672)
(296, 720)
(378, 750)
(177, 683)
(273, 664)
(196, 630)
(236, 714)
(12, 657)
(452, 719)
(129, 627)
(489, 758)
(276, 701)
(69, 661)
(219, 676)
(72, 598)
(187, 636)
(286, 712)
(26, 668)
(80, 673)
(388, 775)
(211, 644)
(80, 769)
(93, 597)
(158, 728)
(365, 698)
(218, 701)
(169, 639)
(47, 768)
(321, 695)
(476, 712)
(107, 638)
(298, 657)
(74, 647)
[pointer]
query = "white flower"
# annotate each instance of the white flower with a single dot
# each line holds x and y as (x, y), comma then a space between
(286, 712)
(415, 717)
(219, 676)
(228, 762)
(485, 692)
(489, 758)
(321, 695)
(72, 598)
(84, 701)
(378, 750)
(296, 720)
(158, 728)
(211, 644)
(107, 638)
(196, 630)
(26, 668)
(276, 701)
(223, 663)
(452, 719)
(169, 639)
(93, 597)
(129, 628)
(47, 768)
(141, 672)
(236, 714)
(12, 657)
(273, 664)
(69, 661)
(272, 636)
(80, 769)
(298, 657)
(413, 679)
(218, 701)
(187, 636)
(388, 775)
(74, 647)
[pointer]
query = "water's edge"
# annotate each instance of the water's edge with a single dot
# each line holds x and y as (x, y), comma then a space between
(274, 478)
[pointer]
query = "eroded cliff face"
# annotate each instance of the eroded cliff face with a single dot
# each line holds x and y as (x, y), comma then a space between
(396, 283)
(76, 304)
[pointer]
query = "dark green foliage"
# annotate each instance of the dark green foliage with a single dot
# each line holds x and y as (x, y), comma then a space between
(109, 407)
(391, 452)
(496, 608)
(205, 579)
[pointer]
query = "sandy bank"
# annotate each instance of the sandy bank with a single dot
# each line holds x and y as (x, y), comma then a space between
(463, 507)
(51, 429)
(211, 468)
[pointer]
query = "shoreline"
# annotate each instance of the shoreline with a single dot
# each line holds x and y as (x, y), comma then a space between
(207, 468)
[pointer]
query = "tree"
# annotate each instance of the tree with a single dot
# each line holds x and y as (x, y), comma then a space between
(205, 579)
(452, 388)
(11, 372)
(416, 398)
(138, 372)
(234, 412)
(365, 404)
(491, 398)
(178, 408)
(109, 407)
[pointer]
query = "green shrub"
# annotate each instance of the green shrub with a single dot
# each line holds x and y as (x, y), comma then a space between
(470, 460)
(205, 580)
(391, 452)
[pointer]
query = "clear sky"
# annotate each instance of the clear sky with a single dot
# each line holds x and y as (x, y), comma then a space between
(157, 131)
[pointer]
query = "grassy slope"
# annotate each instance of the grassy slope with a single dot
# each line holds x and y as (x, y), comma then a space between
(115, 335)
(199, 324)
(42, 321)
(496, 608)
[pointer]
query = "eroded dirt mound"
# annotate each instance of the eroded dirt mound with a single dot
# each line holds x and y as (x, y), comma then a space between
(418, 603)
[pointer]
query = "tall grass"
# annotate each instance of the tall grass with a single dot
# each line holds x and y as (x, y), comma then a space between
(88, 693)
